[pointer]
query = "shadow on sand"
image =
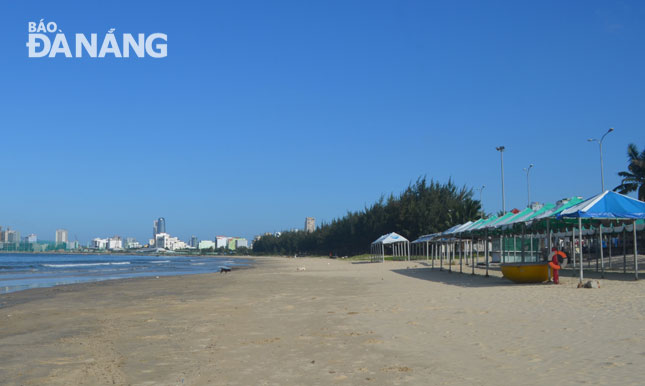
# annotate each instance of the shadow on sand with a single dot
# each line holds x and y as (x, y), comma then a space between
(455, 278)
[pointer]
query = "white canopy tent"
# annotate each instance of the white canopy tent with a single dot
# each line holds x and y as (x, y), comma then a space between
(399, 244)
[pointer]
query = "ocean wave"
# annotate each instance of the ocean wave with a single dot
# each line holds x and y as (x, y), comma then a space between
(85, 264)
(159, 261)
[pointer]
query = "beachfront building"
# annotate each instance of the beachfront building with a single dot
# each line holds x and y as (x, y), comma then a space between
(222, 241)
(61, 236)
(99, 243)
(206, 244)
(194, 241)
(32, 238)
(9, 236)
(310, 224)
(158, 226)
(241, 242)
(162, 240)
(114, 243)
(132, 243)
(165, 241)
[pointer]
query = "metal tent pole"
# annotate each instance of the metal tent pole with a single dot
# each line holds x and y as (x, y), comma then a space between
(610, 240)
(548, 235)
(472, 255)
(434, 253)
(501, 249)
(580, 231)
(573, 247)
(635, 253)
(522, 252)
(486, 252)
(624, 248)
(515, 248)
(461, 257)
(427, 250)
(602, 257)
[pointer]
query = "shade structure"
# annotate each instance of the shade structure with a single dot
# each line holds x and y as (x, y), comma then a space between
(400, 246)
(608, 205)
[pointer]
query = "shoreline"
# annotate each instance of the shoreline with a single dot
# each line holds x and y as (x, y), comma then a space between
(311, 321)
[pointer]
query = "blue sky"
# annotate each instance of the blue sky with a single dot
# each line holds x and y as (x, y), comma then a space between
(265, 112)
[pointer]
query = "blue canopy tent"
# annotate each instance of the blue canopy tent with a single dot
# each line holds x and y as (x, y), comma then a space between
(607, 206)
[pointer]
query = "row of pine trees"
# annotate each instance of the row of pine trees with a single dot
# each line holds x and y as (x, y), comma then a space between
(423, 208)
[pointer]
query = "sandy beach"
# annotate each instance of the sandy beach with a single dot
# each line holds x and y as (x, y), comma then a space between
(335, 322)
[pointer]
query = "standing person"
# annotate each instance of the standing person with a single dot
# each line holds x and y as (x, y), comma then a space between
(555, 263)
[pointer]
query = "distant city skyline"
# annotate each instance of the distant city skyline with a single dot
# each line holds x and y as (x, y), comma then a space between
(266, 112)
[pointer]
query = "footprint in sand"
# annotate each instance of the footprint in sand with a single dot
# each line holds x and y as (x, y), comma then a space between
(400, 369)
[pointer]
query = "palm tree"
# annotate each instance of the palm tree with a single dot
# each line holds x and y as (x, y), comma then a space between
(634, 179)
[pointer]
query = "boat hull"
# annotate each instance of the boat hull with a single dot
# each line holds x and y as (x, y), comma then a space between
(526, 273)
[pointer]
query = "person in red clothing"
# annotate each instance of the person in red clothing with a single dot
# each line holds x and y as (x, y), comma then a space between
(555, 264)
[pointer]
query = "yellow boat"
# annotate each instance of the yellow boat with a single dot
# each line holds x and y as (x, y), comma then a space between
(526, 272)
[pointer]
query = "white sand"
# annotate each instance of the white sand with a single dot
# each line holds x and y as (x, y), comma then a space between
(334, 323)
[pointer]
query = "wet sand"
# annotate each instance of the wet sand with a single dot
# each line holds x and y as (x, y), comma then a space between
(336, 322)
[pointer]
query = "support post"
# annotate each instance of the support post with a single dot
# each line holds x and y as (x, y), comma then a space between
(624, 248)
(580, 231)
(609, 242)
(472, 255)
(486, 252)
(515, 248)
(602, 257)
(635, 253)
(461, 257)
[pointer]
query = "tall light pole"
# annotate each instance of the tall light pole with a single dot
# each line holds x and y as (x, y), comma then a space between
(501, 149)
(528, 184)
(602, 184)
(602, 172)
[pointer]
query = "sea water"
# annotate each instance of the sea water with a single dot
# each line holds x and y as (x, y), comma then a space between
(23, 271)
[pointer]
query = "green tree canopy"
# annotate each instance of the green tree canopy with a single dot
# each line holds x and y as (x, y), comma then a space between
(423, 208)
(634, 177)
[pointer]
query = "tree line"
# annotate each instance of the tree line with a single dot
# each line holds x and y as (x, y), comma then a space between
(424, 207)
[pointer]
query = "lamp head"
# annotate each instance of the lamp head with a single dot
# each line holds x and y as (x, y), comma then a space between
(611, 129)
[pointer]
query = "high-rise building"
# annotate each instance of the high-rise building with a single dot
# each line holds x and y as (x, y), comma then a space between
(61, 236)
(159, 226)
(11, 237)
(310, 224)
(221, 241)
(32, 238)
(194, 242)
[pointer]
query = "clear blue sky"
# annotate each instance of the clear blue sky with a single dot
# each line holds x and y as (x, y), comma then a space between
(265, 112)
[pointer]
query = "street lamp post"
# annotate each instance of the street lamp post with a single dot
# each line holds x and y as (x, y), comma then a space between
(602, 172)
(528, 184)
(501, 149)
(602, 184)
